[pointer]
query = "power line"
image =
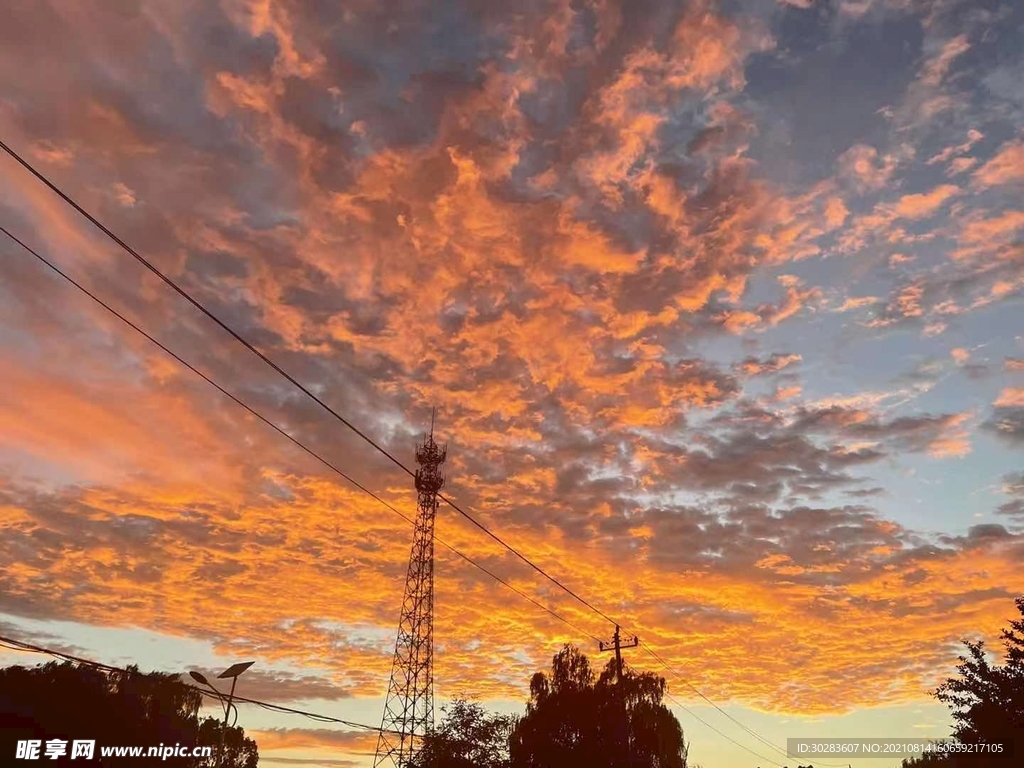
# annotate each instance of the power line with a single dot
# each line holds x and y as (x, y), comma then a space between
(282, 432)
(249, 346)
(345, 476)
(184, 294)
(700, 719)
(241, 340)
(694, 688)
(18, 645)
(697, 717)
(687, 683)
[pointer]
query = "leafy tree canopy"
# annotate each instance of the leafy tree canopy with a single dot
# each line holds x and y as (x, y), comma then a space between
(467, 737)
(67, 701)
(987, 702)
(987, 699)
(574, 717)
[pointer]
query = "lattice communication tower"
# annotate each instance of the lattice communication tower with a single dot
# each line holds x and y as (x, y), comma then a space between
(409, 706)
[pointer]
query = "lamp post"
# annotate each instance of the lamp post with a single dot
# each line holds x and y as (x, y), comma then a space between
(231, 672)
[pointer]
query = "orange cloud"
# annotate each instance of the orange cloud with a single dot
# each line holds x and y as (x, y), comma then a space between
(787, 393)
(908, 301)
(1007, 167)
(52, 155)
(979, 235)
(852, 303)
(835, 212)
(344, 741)
(955, 440)
(961, 164)
(879, 223)
(261, 17)
(923, 205)
(973, 137)
(937, 66)
(78, 425)
(863, 166)
(751, 366)
(1011, 397)
(739, 321)
(705, 50)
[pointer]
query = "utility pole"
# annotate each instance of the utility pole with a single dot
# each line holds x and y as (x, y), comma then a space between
(617, 646)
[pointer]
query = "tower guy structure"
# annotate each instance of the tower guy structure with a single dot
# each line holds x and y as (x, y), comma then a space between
(409, 706)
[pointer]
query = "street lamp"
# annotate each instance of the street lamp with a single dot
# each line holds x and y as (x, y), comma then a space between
(231, 672)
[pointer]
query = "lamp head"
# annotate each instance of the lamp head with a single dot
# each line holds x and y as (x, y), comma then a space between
(199, 678)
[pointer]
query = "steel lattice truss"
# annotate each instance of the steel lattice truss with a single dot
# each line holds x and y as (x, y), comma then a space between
(409, 707)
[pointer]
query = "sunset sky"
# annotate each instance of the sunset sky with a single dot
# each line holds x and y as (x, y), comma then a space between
(720, 305)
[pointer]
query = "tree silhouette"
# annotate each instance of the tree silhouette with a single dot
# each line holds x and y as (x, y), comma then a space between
(239, 751)
(574, 719)
(987, 702)
(467, 737)
(72, 702)
(987, 699)
(929, 760)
